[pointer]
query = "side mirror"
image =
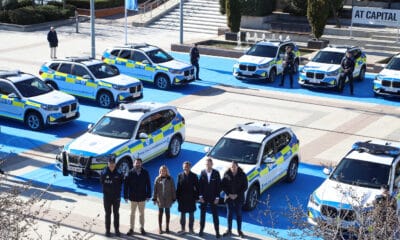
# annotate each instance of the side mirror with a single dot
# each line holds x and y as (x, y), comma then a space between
(143, 135)
(268, 160)
(90, 126)
(12, 95)
(145, 62)
(207, 149)
(326, 171)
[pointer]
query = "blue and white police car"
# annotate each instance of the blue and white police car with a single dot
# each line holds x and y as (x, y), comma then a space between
(149, 63)
(355, 183)
(323, 71)
(134, 130)
(267, 153)
(27, 98)
(387, 82)
(264, 60)
(90, 78)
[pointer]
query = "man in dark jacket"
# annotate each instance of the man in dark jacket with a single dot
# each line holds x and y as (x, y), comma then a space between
(209, 191)
(111, 180)
(234, 184)
(288, 66)
(137, 189)
(53, 42)
(187, 193)
(347, 66)
(194, 59)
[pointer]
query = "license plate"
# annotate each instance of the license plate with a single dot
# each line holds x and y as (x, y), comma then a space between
(75, 169)
(70, 114)
(314, 80)
(190, 77)
(137, 94)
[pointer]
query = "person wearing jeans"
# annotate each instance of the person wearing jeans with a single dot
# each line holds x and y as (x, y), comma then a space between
(234, 184)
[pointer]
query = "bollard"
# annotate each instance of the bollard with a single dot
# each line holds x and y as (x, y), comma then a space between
(76, 21)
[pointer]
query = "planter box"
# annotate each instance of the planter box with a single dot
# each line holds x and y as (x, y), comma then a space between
(102, 12)
(259, 23)
(233, 36)
(317, 44)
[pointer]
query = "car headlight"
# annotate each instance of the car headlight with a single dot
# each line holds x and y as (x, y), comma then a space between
(312, 199)
(174, 71)
(119, 88)
(334, 73)
(265, 65)
(101, 159)
(378, 78)
(50, 107)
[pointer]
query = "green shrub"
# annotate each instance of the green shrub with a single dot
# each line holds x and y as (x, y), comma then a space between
(317, 15)
(4, 16)
(25, 15)
(233, 15)
(222, 5)
(257, 7)
(99, 4)
(70, 8)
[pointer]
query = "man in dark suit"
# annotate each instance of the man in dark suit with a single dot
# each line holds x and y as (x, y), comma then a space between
(209, 191)
(187, 193)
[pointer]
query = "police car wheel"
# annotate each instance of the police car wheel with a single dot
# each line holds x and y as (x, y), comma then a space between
(174, 147)
(361, 77)
(253, 195)
(105, 99)
(34, 121)
(272, 76)
(124, 166)
(292, 171)
(162, 81)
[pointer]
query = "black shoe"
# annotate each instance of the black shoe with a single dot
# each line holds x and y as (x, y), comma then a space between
(191, 231)
(142, 231)
(108, 234)
(227, 234)
(199, 79)
(241, 235)
(217, 235)
(201, 233)
(117, 233)
(130, 232)
(167, 230)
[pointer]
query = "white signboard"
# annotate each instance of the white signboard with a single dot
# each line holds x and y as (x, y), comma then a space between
(376, 16)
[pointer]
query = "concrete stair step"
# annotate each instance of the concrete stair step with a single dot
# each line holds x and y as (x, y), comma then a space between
(205, 14)
(386, 38)
(202, 4)
(187, 26)
(195, 18)
(393, 49)
(208, 31)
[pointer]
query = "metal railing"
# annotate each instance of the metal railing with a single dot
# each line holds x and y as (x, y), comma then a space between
(146, 8)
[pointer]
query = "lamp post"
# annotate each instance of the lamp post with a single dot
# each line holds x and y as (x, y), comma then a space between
(181, 22)
(92, 33)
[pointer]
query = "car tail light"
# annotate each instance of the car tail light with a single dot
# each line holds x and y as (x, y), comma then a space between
(40, 72)
(183, 120)
(102, 58)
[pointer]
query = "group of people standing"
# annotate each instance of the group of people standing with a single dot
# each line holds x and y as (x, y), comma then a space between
(189, 190)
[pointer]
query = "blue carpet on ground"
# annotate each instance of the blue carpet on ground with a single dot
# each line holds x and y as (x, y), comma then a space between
(274, 199)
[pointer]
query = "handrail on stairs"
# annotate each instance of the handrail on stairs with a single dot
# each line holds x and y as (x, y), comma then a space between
(150, 5)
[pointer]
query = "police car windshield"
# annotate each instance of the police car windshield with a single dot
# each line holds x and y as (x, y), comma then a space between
(159, 56)
(361, 173)
(114, 127)
(394, 64)
(103, 70)
(32, 87)
(235, 150)
(262, 51)
(328, 57)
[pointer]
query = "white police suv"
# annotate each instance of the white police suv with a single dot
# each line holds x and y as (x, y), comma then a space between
(387, 82)
(265, 152)
(354, 183)
(27, 98)
(149, 63)
(145, 130)
(323, 71)
(92, 79)
(264, 60)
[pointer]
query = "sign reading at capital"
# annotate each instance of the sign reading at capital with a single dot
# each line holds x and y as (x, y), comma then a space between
(376, 16)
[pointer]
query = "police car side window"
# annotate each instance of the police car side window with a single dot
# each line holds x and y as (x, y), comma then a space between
(65, 68)
(282, 140)
(54, 66)
(167, 117)
(79, 71)
(145, 126)
(126, 54)
(138, 56)
(268, 149)
(6, 88)
(115, 52)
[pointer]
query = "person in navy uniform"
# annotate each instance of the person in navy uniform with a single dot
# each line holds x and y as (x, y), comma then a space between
(187, 193)
(288, 66)
(111, 180)
(234, 184)
(53, 42)
(209, 190)
(347, 66)
(194, 59)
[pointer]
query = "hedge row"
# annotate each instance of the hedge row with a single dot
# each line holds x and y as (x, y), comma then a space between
(36, 14)
(257, 7)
